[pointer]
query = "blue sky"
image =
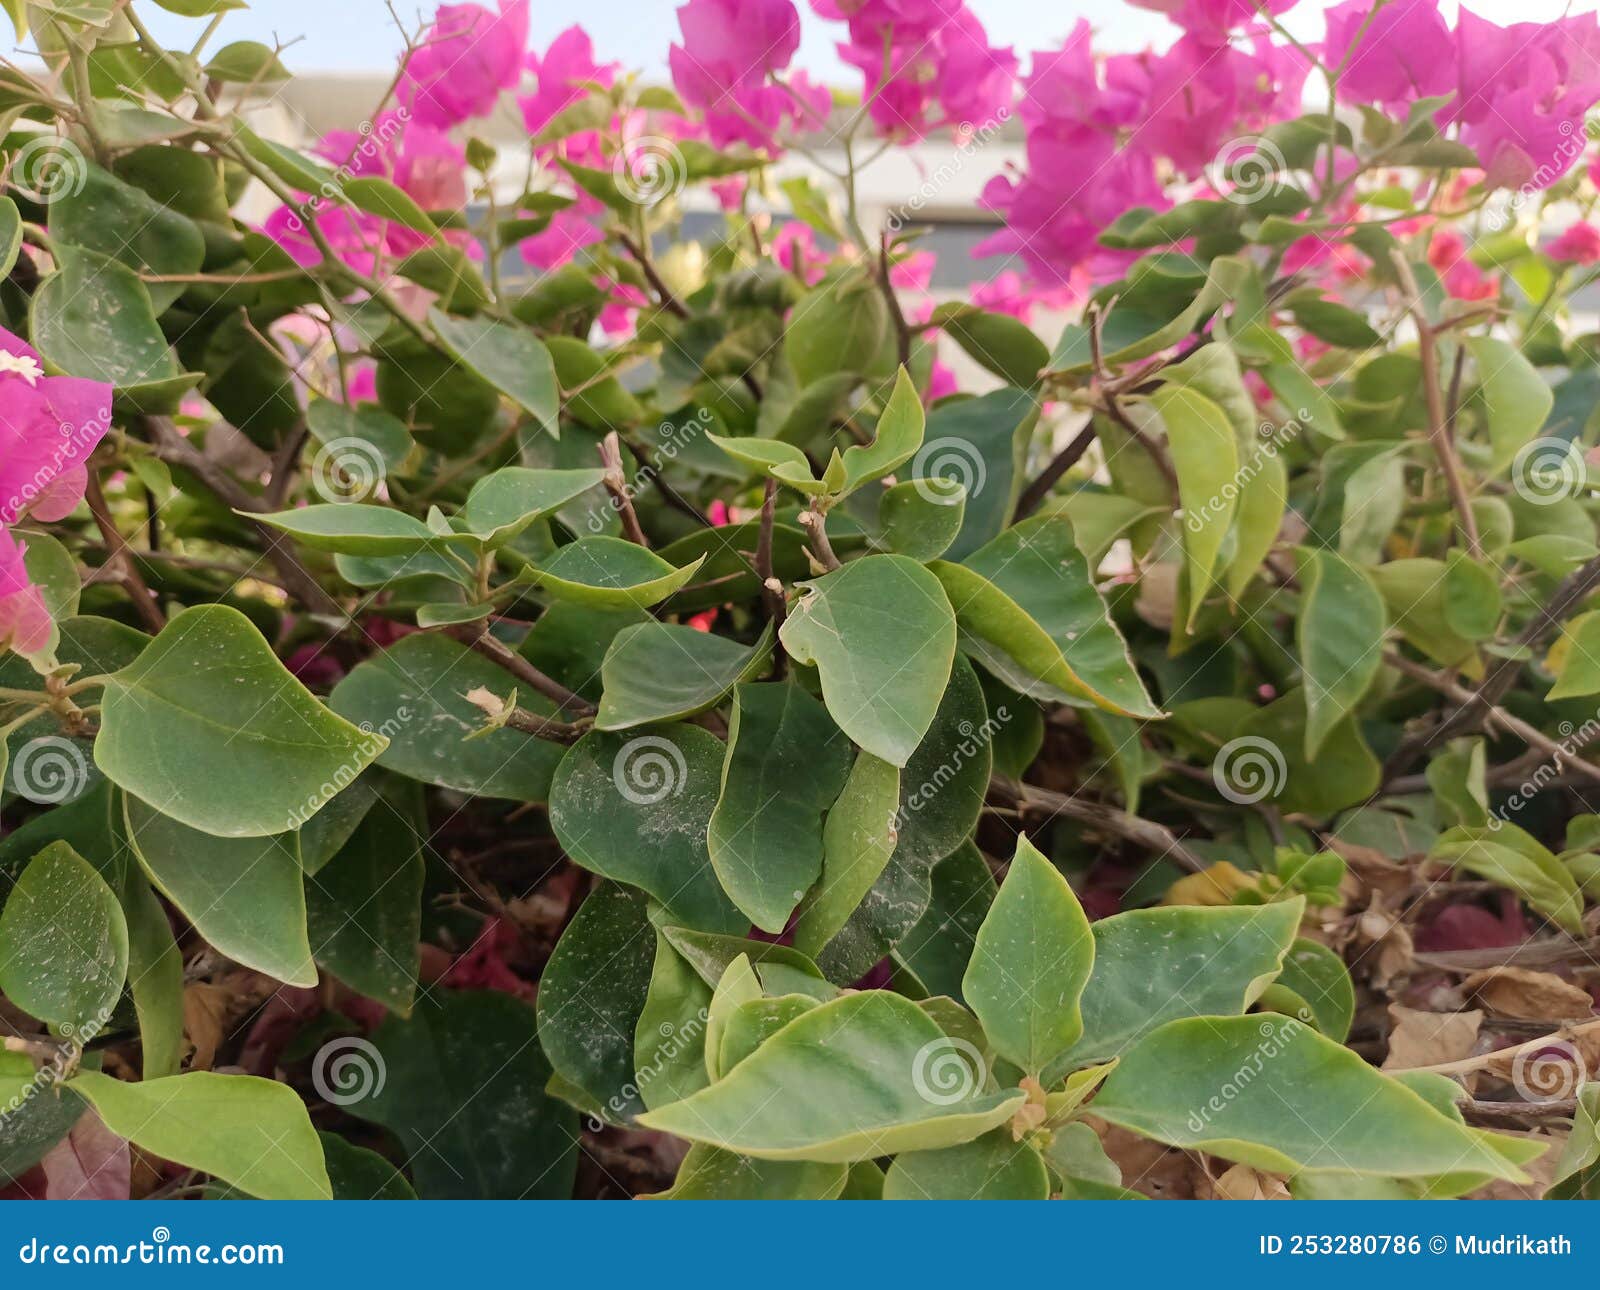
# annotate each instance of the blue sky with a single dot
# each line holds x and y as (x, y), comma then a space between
(351, 35)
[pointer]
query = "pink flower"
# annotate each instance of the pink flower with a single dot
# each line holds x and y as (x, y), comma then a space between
(562, 77)
(1215, 19)
(914, 272)
(1007, 293)
(1523, 93)
(1391, 56)
(941, 384)
(1579, 244)
(934, 52)
(48, 427)
(794, 246)
(1447, 253)
(24, 621)
(724, 66)
(568, 232)
(417, 158)
(468, 57)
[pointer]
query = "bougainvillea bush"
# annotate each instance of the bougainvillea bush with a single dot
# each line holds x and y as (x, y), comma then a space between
(503, 698)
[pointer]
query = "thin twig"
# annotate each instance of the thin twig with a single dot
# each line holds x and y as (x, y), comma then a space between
(476, 636)
(616, 484)
(1059, 465)
(119, 555)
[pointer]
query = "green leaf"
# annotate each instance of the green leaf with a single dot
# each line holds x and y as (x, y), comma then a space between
(155, 976)
(388, 201)
(1263, 501)
(898, 437)
(1206, 458)
(103, 215)
(1515, 397)
(635, 808)
(413, 694)
(941, 794)
(993, 1167)
(786, 763)
(1414, 591)
(665, 672)
(592, 994)
(210, 728)
(1152, 966)
(997, 342)
(782, 461)
(858, 839)
(979, 444)
(1344, 772)
(1472, 601)
(708, 1173)
(1319, 977)
(93, 318)
(1505, 854)
(939, 947)
(463, 1091)
(246, 62)
(10, 235)
(359, 1174)
(505, 502)
(1575, 659)
(669, 1040)
(1577, 1177)
(840, 326)
(63, 944)
(357, 437)
(1182, 1085)
(922, 517)
(1030, 614)
(354, 528)
(1340, 638)
(881, 632)
(510, 357)
(252, 1133)
(246, 896)
(610, 573)
(1030, 964)
(864, 1061)
(364, 906)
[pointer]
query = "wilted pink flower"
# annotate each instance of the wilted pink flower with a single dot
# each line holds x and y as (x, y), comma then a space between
(1391, 56)
(24, 621)
(1579, 244)
(468, 57)
(1523, 93)
(48, 427)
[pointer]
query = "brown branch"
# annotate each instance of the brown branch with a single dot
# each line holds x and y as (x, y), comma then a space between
(173, 448)
(1060, 464)
(121, 558)
(816, 526)
(561, 732)
(616, 484)
(1440, 420)
(902, 332)
(1533, 737)
(1107, 819)
(476, 636)
(771, 587)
